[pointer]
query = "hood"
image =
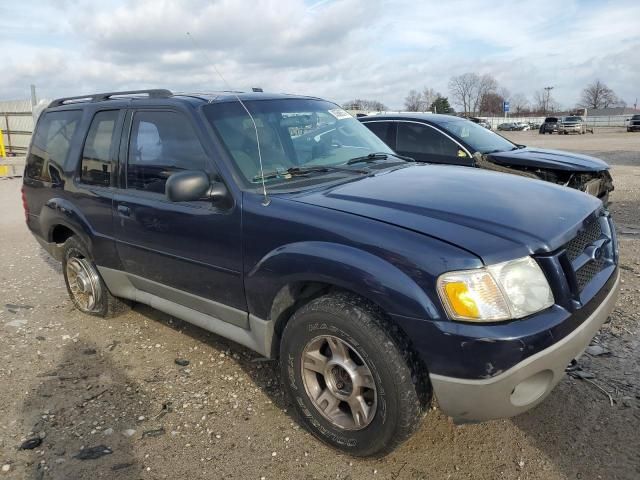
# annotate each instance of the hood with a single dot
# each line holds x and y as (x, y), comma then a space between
(495, 216)
(551, 159)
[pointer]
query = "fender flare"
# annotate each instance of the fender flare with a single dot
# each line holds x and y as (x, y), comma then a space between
(372, 277)
(59, 211)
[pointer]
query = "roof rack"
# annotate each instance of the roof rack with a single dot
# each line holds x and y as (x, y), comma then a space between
(99, 97)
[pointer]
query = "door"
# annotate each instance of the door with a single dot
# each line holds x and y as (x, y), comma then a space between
(185, 252)
(428, 144)
(95, 180)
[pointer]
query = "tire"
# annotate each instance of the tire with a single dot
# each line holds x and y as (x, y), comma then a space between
(390, 399)
(85, 286)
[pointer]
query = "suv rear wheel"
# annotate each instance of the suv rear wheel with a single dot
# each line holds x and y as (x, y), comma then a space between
(348, 375)
(86, 288)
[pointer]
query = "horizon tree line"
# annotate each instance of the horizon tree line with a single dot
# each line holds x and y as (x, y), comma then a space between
(481, 95)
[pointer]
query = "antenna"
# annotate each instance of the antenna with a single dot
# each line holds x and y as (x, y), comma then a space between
(265, 201)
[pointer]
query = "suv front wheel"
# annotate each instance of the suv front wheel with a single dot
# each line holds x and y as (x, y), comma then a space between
(348, 375)
(86, 288)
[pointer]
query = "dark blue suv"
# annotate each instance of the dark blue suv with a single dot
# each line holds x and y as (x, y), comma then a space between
(282, 223)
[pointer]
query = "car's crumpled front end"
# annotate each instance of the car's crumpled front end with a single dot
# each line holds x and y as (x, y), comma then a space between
(581, 172)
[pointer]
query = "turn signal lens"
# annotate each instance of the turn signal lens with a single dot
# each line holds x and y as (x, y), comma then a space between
(461, 300)
(472, 295)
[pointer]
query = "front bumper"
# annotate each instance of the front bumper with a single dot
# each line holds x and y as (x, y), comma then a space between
(524, 385)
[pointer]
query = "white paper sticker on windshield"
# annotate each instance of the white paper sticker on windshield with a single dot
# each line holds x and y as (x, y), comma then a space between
(339, 113)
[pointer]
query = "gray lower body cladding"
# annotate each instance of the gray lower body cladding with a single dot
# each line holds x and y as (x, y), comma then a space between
(237, 325)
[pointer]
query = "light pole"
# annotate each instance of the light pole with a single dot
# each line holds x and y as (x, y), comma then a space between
(547, 96)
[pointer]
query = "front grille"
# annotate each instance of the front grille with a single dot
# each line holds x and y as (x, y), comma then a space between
(591, 236)
(584, 238)
(585, 274)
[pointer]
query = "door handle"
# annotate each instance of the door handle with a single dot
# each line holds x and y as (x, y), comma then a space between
(124, 211)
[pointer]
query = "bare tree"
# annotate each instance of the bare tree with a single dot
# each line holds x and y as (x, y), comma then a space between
(486, 86)
(429, 95)
(462, 88)
(544, 102)
(519, 103)
(412, 101)
(492, 104)
(505, 94)
(598, 95)
(364, 104)
(469, 90)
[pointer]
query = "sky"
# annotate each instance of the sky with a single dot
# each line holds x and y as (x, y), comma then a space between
(335, 49)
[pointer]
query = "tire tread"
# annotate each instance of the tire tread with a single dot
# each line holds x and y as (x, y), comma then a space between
(397, 356)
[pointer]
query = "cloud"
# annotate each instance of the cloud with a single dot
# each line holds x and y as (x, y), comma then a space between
(335, 49)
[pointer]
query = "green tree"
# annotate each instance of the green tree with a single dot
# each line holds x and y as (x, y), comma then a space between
(441, 105)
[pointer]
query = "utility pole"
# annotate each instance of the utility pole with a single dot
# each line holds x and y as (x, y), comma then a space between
(34, 99)
(547, 97)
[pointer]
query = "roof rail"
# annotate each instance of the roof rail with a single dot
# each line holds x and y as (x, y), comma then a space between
(98, 97)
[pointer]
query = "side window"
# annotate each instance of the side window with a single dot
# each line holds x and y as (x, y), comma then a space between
(383, 130)
(414, 138)
(97, 164)
(161, 143)
(51, 143)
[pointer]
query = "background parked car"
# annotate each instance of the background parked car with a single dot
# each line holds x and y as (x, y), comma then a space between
(549, 125)
(481, 122)
(572, 124)
(453, 140)
(522, 126)
(507, 127)
(634, 124)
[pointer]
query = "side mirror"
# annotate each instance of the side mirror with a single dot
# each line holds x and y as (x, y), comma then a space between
(218, 193)
(187, 186)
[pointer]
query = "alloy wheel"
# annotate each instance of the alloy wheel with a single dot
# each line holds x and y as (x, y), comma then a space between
(339, 382)
(84, 283)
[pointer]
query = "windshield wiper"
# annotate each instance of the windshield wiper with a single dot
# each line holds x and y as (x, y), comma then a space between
(302, 171)
(373, 157)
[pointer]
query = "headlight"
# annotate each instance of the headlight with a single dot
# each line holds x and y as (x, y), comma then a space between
(504, 291)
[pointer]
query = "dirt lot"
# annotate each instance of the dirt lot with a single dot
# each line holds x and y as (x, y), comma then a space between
(77, 382)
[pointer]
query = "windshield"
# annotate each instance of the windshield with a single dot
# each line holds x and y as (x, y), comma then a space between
(477, 137)
(294, 134)
(635, 117)
(573, 119)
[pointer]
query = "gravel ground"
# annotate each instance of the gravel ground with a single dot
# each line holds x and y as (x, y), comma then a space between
(72, 383)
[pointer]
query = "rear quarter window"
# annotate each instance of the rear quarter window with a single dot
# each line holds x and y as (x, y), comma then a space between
(51, 143)
(384, 131)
